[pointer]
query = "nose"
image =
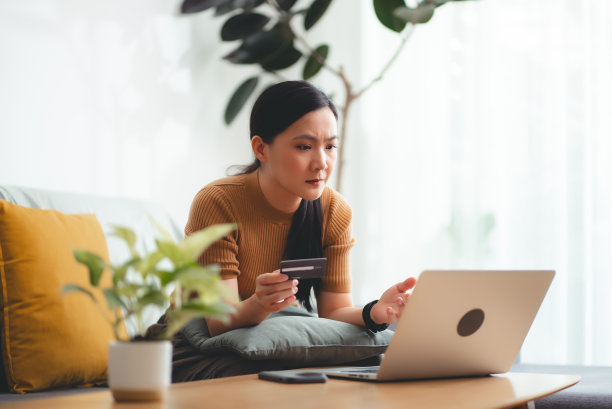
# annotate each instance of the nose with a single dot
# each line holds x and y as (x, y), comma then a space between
(320, 160)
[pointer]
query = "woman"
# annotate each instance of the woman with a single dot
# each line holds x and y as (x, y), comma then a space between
(285, 211)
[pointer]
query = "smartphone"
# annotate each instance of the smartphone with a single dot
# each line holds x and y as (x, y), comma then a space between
(304, 268)
(293, 377)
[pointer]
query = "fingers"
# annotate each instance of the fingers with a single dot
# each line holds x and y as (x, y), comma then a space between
(406, 285)
(274, 291)
(392, 315)
(272, 278)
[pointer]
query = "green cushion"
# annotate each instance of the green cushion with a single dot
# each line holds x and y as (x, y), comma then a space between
(293, 336)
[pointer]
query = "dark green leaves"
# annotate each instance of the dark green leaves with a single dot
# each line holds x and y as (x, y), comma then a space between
(419, 15)
(315, 12)
(243, 25)
(258, 47)
(313, 64)
(195, 6)
(285, 59)
(286, 4)
(239, 98)
(384, 11)
(221, 6)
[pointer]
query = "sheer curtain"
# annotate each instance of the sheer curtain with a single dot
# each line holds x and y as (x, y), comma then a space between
(487, 145)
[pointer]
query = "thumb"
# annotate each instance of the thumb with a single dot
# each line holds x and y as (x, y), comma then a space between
(406, 285)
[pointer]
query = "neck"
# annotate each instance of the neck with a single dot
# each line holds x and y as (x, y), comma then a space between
(276, 195)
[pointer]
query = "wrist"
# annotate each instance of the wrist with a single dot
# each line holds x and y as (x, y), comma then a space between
(370, 324)
(374, 313)
(256, 311)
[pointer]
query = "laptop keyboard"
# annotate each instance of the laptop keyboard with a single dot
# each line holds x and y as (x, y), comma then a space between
(368, 369)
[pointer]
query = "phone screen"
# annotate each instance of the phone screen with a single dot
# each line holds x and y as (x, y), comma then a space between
(293, 377)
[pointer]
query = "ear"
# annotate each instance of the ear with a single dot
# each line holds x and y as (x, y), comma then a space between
(259, 148)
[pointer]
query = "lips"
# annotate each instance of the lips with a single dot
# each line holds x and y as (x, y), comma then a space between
(314, 181)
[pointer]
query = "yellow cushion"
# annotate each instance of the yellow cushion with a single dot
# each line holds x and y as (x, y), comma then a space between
(50, 340)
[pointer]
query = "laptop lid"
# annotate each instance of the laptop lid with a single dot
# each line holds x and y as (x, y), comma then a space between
(464, 323)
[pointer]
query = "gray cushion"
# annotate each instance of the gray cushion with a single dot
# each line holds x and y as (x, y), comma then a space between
(293, 336)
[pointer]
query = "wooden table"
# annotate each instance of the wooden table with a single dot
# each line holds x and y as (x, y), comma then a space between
(511, 390)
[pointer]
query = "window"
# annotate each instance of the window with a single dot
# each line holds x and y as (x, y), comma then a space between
(488, 145)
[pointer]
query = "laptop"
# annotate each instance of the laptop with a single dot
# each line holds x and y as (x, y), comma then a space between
(459, 323)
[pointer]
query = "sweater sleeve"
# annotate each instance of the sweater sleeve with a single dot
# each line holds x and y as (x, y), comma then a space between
(337, 243)
(209, 207)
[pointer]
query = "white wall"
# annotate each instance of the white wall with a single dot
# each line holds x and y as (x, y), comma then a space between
(124, 98)
(111, 98)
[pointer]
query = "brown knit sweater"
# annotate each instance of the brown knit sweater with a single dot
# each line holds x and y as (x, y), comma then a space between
(258, 244)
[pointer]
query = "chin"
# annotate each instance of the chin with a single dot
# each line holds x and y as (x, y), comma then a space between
(313, 195)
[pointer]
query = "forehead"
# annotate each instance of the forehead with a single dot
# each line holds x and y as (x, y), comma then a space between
(318, 123)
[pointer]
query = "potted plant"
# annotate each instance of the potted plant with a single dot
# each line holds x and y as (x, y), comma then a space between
(167, 277)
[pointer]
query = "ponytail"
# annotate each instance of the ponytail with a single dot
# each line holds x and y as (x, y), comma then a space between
(305, 240)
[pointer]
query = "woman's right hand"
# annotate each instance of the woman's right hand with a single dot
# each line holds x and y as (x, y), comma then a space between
(274, 291)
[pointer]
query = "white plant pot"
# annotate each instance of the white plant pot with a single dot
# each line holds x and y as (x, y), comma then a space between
(139, 370)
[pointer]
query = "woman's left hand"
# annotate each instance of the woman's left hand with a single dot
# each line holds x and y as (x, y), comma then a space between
(389, 307)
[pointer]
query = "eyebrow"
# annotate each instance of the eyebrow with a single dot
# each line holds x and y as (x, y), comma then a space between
(312, 138)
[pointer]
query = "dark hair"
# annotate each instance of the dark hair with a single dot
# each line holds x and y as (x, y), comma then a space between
(275, 110)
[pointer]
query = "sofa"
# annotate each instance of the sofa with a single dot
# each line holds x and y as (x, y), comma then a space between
(132, 213)
(594, 390)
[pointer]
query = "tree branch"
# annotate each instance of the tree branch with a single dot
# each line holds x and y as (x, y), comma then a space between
(406, 35)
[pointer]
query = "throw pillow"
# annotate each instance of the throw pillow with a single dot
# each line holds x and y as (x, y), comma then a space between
(50, 340)
(295, 337)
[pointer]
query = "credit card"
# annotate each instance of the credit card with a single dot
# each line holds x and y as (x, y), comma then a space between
(304, 268)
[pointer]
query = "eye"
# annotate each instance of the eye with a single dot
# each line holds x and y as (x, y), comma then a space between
(303, 147)
(331, 147)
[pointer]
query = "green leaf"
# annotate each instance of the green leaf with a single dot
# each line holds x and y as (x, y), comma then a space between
(196, 274)
(243, 25)
(218, 310)
(171, 250)
(315, 12)
(259, 47)
(195, 6)
(165, 277)
(313, 65)
(285, 59)
(127, 235)
(193, 245)
(420, 15)
(94, 263)
(127, 290)
(112, 299)
(239, 98)
(205, 282)
(176, 319)
(225, 7)
(68, 288)
(148, 264)
(286, 4)
(119, 272)
(384, 12)
(153, 297)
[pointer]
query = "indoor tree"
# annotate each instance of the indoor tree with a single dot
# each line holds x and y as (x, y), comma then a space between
(273, 34)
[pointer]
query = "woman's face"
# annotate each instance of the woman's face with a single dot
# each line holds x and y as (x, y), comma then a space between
(300, 160)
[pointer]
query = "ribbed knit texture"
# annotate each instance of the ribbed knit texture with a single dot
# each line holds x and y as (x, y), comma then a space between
(258, 245)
